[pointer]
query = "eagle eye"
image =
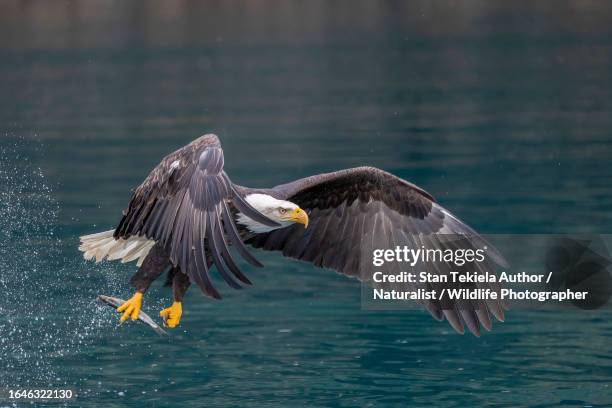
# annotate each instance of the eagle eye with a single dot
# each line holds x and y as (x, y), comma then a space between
(282, 210)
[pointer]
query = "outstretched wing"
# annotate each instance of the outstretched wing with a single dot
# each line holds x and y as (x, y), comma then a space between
(183, 204)
(354, 211)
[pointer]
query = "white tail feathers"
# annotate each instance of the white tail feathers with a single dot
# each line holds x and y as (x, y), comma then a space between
(104, 245)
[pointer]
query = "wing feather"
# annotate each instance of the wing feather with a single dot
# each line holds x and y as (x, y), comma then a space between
(183, 204)
(234, 237)
(357, 210)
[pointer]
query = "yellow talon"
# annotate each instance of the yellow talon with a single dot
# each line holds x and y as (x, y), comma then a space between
(172, 314)
(131, 308)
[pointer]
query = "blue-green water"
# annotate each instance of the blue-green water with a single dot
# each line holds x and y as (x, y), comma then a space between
(503, 112)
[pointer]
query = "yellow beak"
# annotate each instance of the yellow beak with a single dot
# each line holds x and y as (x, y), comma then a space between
(300, 217)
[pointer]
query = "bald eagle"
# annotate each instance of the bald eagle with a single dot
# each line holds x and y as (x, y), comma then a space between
(187, 214)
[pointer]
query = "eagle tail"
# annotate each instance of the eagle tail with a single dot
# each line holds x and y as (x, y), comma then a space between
(103, 245)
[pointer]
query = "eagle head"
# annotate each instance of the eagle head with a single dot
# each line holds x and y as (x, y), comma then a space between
(283, 212)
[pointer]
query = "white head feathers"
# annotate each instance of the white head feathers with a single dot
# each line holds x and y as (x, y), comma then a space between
(270, 207)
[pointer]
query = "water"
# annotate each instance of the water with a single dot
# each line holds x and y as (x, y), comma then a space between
(501, 111)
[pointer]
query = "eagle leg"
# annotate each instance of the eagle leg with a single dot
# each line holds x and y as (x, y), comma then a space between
(180, 284)
(153, 265)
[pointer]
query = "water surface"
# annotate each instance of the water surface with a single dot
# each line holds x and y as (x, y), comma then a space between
(501, 112)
